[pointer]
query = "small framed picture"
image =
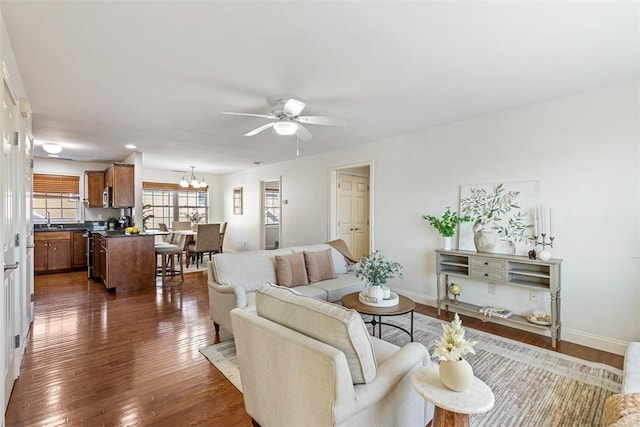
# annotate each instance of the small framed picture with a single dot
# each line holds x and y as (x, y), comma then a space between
(237, 201)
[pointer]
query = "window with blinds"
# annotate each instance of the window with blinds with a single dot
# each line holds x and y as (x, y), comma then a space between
(56, 198)
(170, 202)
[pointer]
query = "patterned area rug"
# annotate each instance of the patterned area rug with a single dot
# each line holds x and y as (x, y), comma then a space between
(532, 386)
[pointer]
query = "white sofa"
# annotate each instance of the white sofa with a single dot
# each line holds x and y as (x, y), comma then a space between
(234, 277)
(306, 362)
(623, 409)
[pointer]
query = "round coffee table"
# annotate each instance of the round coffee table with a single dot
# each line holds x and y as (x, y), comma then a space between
(452, 407)
(405, 305)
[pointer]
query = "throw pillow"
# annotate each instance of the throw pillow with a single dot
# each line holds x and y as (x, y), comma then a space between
(329, 323)
(290, 270)
(319, 265)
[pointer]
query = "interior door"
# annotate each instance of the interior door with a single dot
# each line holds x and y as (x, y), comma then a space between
(10, 230)
(271, 214)
(353, 212)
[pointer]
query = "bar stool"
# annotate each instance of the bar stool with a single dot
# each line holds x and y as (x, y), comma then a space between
(168, 251)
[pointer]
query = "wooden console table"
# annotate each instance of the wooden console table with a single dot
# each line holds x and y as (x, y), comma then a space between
(510, 270)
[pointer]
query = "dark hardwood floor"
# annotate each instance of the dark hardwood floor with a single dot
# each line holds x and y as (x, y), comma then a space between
(96, 359)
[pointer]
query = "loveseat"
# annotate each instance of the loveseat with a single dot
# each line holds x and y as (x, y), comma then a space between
(623, 409)
(234, 277)
(307, 362)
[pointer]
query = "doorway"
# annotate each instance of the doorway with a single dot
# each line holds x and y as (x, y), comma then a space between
(350, 208)
(270, 214)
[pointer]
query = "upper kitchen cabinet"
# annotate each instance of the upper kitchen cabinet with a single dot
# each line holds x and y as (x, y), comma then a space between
(95, 187)
(120, 177)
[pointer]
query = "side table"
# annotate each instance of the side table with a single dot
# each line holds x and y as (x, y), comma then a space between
(452, 408)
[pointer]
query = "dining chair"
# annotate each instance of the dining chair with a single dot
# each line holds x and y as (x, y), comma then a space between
(181, 225)
(163, 227)
(208, 240)
(223, 229)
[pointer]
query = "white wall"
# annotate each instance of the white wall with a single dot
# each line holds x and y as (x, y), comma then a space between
(75, 168)
(585, 151)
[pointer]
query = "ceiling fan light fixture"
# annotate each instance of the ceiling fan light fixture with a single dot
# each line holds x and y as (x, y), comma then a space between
(51, 148)
(184, 183)
(285, 127)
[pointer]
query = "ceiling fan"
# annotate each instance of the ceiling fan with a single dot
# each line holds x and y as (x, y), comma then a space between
(287, 119)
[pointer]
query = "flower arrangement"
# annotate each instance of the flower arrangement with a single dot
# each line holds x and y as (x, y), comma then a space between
(452, 345)
(375, 269)
(446, 225)
(195, 217)
(487, 208)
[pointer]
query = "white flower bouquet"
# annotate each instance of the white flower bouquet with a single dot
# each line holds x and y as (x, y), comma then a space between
(452, 345)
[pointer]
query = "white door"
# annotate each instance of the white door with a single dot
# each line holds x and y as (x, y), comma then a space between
(270, 212)
(9, 202)
(353, 213)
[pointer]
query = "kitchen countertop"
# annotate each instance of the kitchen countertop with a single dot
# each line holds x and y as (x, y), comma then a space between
(121, 233)
(56, 228)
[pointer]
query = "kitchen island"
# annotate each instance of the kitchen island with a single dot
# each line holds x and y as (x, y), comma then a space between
(125, 262)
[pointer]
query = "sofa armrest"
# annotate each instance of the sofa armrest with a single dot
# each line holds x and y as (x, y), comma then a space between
(391, 373)
(223, 299)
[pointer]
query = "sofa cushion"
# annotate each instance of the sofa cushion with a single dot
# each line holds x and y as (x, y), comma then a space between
(290, 270)
(331, 324)
(339, 261)
(319, 265)
(342, 285)
(250, 269)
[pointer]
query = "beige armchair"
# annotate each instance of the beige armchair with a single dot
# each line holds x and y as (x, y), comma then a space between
(291, 379)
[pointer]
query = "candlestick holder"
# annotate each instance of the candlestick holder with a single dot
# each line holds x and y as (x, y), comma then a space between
(543, 242)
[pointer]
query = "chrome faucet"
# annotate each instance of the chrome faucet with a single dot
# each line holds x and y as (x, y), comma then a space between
(48, 216)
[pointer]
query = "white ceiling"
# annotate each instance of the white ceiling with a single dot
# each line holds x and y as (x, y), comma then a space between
(100, 75)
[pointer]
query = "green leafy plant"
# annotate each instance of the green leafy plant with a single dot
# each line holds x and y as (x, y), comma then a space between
(112, 220)
(376, 270)
(486, 209)
(452, 345)
(446, 225)
(146, 215)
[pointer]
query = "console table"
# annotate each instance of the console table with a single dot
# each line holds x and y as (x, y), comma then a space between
(510, 270)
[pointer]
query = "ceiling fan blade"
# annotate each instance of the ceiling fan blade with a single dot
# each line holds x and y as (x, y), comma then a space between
(260, 129)
(321, 120)
(293, 107)
(264, 116)
(304, 134)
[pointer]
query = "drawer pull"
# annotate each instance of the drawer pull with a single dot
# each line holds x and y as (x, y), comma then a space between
(486, 263)
(486, 274)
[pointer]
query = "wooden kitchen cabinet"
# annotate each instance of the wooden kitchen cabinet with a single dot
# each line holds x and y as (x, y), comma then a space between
(126, 263)
(120, 177)
(79, 252)
(95, 187)
(52, 251)
(98, 256)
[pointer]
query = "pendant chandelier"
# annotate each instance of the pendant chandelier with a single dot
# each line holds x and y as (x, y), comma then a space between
(193, 182)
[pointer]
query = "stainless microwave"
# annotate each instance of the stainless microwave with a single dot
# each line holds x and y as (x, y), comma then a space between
(107, 197)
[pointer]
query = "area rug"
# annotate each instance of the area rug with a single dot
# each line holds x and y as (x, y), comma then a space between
(532, 386)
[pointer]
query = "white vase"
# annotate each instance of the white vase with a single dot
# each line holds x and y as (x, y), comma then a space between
(545, 255)
(376, 292)
(456, 374)
(446, 243)
(485, 240)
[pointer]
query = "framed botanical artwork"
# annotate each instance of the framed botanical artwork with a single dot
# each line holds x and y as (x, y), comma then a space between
(237, 201)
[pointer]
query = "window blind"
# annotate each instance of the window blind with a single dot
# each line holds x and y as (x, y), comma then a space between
(56, 184)
(146, 185)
